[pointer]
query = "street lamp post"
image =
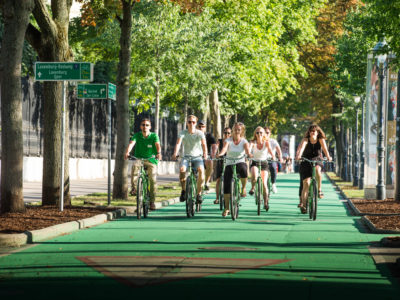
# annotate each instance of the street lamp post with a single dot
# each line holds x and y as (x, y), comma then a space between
(350, 163)
(356, 161)
(380, 187)
(362, 145)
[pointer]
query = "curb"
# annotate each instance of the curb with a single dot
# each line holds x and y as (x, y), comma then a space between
(372, 227)
(364, 216)
(34, 236)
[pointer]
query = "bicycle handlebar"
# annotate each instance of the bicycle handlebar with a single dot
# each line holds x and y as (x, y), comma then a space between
(312, 161)
(131, 157)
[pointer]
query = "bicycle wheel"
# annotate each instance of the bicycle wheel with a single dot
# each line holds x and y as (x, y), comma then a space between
(221, 194)
(234, 205)
(314, 201)
(259, 194)
(310, 201)
(139, 198)
(189, 198)
(146, 202)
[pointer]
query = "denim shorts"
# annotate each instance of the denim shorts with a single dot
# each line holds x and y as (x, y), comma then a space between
(196, 163)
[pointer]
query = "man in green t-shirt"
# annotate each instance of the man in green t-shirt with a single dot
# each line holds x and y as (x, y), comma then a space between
(147, 146)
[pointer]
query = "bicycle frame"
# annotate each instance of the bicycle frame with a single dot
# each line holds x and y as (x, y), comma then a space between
(143, 197)
(191, 187)
(312, 198)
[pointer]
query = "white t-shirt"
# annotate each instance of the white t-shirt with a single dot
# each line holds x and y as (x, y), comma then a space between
(260, 154)
(192, 142)
(273, 144)
(235, 151)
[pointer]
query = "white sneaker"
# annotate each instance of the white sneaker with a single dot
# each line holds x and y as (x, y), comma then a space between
(274, 189)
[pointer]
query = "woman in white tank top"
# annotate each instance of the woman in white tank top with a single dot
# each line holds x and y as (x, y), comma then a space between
(260, 149)
(235, 147)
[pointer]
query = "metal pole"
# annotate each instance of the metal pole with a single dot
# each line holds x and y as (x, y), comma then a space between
(62, 147)
(362, 145)
(380, 187)
(350, 163)
(109, 151)
(345, 155)
(356, 161)
(397, 184)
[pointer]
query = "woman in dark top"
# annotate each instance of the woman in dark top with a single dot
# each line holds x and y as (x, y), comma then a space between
(227, 134)
(310, 147)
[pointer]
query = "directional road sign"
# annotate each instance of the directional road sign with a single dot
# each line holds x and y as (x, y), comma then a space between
(112, 91)
(92, 91)
(61, 71)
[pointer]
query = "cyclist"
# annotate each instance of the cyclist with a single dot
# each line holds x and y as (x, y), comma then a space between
(220, 144)
(235, 147)
(211, 149)
(310, 147)
(147, 146)
(194, 144)
(260, 149)
(276, 149)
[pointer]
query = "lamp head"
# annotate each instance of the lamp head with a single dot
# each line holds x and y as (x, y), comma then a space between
(357, 99)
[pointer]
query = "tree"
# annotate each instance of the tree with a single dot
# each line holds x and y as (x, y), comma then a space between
(50, 40)
(16, 19)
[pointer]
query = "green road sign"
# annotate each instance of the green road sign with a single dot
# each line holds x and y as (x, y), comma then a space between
(60, 71)
(112, 91)
(92, 91)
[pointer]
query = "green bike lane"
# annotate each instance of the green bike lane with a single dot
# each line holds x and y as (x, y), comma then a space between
(281, 253)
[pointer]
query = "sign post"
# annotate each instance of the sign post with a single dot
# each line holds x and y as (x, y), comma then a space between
(63, 71)
(101, 91)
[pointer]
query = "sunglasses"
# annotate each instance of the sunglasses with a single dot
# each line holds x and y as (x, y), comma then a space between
(259, 132)
(202, 126)
(191, 122)
(267, 132)
(227, 132)
(146, 125)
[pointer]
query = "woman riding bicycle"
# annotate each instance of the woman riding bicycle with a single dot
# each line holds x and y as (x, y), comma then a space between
(235, 147)
(310, 148)
(260, 149)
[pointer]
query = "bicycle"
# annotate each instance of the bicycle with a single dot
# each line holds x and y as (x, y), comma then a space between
(234, 200)
(143, 191)
(191, 189)
(259, 186)
(312, 201)
(221, 183)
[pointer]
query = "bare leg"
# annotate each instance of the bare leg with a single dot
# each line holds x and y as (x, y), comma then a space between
(209, 170)
(254, 175)
(200, 179)
(319, 177)
(304, 192)
(182, 177)
(244, 182)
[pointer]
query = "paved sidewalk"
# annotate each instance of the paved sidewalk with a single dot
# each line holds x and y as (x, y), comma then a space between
(33, 190)
(281, 254)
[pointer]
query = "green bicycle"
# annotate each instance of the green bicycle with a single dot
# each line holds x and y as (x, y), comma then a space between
(143, 191)
(234, 200)
(259, 190)
(221, 183)
(312, 201)
(191, 189)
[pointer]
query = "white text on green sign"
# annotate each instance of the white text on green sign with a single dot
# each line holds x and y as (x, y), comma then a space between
(60, 71)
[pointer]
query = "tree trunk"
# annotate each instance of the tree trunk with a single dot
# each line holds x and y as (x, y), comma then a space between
(186, 108)
(215, 114)
(205, 111)
(120, 186)
(16, 19)
(157, 107)
(227, 119)
(51, 44)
